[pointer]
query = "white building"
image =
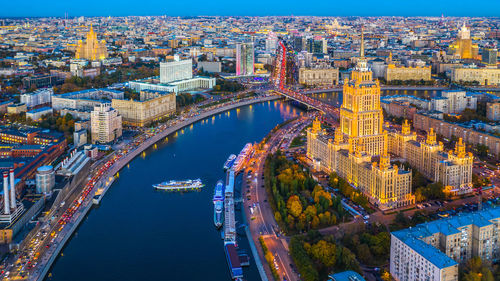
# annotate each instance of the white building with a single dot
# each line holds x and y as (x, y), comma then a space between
(37, 114)
(433, 250)
(106, 124)
(45, 179)
(176, 70)
(454, 102)
(41, 96)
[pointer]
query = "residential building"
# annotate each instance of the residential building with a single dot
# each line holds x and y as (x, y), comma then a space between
(152, 106)
(85, 100)
(453, 169)
(493, 111)
(38, 97)
(106, 124)
(483, 76)
(489, 56)
(454, 102)
(402, 73)
(319, 76)
(16, 108)
(433, 250)
(36, 114)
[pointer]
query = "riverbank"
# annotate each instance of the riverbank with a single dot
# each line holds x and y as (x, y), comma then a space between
(122, 162)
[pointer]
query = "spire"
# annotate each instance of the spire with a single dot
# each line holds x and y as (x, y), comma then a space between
(316, 126)
(339, 138)
(431, 137)
(405, 129)
(460, 148)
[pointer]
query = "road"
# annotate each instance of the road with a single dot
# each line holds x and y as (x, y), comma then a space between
(258, 211)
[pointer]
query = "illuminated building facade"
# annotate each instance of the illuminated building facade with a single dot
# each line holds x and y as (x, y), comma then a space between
(244, 59)
(92, 49)
(453, 169)
(401, 73)
(358, 151)
(463, 47)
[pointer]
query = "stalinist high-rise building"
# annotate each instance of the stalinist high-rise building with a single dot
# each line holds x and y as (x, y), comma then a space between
(92, 49)
(359, 150)
(463, 47)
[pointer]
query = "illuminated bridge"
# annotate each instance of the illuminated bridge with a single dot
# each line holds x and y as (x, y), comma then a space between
(279, 79)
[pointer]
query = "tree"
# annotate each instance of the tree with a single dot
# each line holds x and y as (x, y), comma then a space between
(324, 252)
(294, 206)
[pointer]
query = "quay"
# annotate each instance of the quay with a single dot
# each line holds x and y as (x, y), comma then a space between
(50, 256)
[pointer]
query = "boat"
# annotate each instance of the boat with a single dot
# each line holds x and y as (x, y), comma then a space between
(174, 185)
(218, 203)
(242, 157)
(229, 162)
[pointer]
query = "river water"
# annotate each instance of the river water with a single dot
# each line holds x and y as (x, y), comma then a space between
(138, 233)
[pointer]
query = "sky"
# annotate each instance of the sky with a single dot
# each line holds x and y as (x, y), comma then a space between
(34, 8)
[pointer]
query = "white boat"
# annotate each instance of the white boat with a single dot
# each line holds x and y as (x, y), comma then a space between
(229, 162)
(179, 185)
(242, 157)
(218, 203)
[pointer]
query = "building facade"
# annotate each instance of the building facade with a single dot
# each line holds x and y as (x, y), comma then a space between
(92, 49)
(483, 76)
(176, 70)
(319, 76)
(358, 142)
(493, 111)
(106, 124)
(463, 47)
(402, 73)
(454, 102)
(38, 97)
(433, 250)
(151, 106)
(453, 169)
(244, 59)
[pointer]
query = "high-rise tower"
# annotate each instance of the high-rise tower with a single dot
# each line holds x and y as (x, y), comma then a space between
(361, 114)
(92, 49)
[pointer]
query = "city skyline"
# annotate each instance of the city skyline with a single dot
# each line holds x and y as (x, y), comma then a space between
(260, 8)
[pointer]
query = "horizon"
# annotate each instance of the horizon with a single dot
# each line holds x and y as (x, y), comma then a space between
(259, 8)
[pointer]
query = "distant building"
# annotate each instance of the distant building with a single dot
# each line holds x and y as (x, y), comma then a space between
(319, 76)
(463, 47)
(493, 111)
(244, 59)
(402, 73)
(38, 97)
(92, 49)
(433, 250)
(454, 102)
(45, 179)
(489, 56)
(106, 124)
(85, 100)
(80, 137)
(36, 114)
(483, 76)
(152, 106)
(210, 66)
(42, 81)
(16, 108)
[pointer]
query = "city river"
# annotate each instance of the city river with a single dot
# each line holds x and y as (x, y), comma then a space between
(138, 233)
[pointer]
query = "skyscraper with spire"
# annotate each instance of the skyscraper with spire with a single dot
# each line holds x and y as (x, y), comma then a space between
(92, 49)
(359, 151)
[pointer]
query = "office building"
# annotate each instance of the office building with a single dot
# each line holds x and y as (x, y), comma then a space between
(152, 106)
(38, 97)
(45, 179)
(106, 124)
(176, 70)
(244, 59)
(80, 137)
(359, 142)
(489, 56)
(92, 49)
(433, 250)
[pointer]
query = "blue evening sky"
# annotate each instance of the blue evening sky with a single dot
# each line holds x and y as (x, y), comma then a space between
(11, 8)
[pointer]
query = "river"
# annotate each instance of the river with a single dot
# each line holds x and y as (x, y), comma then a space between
(138, 233)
